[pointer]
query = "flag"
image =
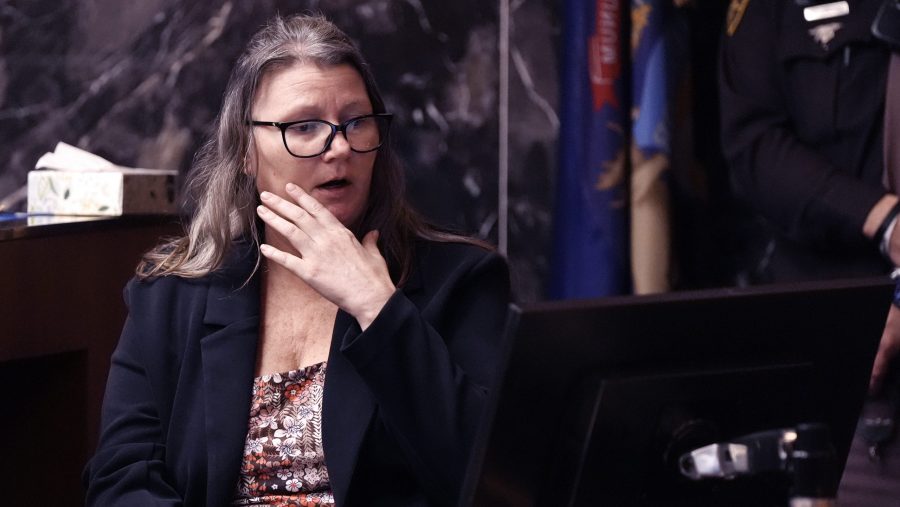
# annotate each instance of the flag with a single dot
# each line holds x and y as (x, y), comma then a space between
(590, 257)
(653, 61)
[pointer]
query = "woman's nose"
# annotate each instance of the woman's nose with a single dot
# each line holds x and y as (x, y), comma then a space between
(339, 147)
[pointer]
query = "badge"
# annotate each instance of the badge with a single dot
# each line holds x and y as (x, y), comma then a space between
(735, 15)
(823, 34)
(826, 11)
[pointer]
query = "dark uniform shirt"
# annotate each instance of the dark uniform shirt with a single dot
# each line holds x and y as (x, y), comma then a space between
(802, 118)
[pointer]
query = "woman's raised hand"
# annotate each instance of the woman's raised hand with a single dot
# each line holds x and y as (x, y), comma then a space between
(352, 275)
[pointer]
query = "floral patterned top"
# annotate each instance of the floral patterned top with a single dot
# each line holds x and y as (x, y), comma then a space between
(284, 464)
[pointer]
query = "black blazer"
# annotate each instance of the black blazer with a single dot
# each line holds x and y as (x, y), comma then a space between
(401, 403)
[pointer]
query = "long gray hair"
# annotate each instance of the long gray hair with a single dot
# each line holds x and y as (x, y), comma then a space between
(225, 195)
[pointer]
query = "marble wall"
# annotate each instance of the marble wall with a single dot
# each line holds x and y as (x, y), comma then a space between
(141, 85)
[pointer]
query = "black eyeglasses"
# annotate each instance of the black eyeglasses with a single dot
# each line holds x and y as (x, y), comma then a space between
(311, 138)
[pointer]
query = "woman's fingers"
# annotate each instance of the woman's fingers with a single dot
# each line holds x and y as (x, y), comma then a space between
(309, 204)
(293, 213)
(347, 272)
(287, 228)
(285, 259)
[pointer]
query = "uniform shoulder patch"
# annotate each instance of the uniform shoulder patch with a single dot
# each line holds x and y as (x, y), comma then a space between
(735, 15)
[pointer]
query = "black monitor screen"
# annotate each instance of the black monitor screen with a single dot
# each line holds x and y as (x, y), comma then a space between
(600, 398)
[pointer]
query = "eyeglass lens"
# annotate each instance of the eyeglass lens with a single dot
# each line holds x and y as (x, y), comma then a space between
(309, 138)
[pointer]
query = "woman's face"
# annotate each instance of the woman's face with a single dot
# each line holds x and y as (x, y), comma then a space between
(339, 178)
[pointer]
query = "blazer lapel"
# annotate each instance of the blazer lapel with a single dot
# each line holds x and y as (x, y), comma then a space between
(347, 409)
(348, 405)
(228, 357)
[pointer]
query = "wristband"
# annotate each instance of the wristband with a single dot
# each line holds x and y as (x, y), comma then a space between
(896, 299)
(886, 224)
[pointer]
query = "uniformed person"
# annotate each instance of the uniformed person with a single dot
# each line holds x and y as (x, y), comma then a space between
(802, 89)
(802, 115)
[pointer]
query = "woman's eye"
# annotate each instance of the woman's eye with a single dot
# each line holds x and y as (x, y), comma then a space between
(358, 122)
(302, 128)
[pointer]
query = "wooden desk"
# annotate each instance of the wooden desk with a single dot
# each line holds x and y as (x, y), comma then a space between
(61, 312)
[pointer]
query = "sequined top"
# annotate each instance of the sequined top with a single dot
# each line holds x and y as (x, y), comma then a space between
(284, 463)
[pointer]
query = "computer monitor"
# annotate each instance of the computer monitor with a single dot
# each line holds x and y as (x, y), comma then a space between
(598, 399)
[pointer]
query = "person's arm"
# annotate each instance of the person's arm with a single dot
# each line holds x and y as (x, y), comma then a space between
(887, 349)
(430, 369)
(795, 187)
(128, 468)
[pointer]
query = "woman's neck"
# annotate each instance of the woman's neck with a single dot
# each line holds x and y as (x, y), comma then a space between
(277, 279)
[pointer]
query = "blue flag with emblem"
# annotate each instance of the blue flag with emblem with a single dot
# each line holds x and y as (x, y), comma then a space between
(657, 37)
(590, 257)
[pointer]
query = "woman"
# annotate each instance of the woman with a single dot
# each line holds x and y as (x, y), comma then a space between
(328, 370)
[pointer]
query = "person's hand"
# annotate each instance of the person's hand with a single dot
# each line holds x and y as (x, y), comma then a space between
(887, 350)
(894, 245)
(876, 218)
(350, 274)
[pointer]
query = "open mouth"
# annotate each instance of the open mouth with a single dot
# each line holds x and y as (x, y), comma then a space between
(334, 184)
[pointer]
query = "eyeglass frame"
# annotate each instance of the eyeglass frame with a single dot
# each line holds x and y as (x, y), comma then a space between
(342, 128)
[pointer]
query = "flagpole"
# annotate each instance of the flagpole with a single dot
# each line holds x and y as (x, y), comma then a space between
(503, 110)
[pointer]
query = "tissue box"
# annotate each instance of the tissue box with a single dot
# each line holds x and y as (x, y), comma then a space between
(107, 192)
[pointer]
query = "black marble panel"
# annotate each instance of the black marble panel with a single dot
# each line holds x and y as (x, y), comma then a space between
(533, 132)
(140, 86)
